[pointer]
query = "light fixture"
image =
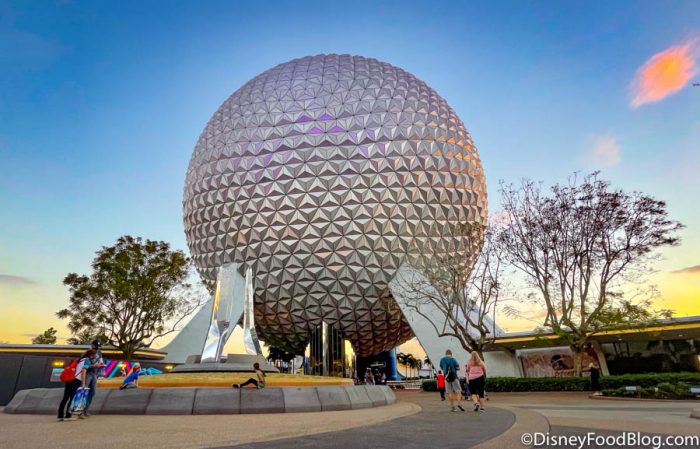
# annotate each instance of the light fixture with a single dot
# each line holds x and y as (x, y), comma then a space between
(57, 363)
(168, 367)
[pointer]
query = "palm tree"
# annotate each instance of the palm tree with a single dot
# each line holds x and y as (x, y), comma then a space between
(403, 360)
(426, 361)
(411, 361)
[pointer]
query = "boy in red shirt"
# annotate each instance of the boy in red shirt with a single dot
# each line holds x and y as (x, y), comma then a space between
(441, 384)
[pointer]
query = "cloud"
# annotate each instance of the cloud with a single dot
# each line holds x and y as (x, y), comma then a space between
(664, 73)
(693, 270)
(604, 152)
(9, 279)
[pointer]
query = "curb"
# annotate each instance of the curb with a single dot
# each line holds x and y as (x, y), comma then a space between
(210, 401)
(526, 422)
(617, 398)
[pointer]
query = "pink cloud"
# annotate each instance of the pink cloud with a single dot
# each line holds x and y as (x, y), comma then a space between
(664, 73)
(604, 152)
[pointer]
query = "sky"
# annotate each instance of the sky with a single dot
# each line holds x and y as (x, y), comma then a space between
(101, 104)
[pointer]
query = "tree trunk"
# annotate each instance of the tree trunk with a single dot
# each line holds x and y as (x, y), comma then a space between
(577, 353)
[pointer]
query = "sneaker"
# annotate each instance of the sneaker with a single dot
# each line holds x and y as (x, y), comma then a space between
(442, 399)
(481, 409)
(59, 419)
(454, 409)
(476, 407)
(460, 407)
(235, 386)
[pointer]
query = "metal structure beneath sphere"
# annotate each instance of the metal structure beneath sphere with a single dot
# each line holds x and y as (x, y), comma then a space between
(318, 175)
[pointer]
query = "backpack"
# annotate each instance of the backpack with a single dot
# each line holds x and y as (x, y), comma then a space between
(68, 372)
(451, 374)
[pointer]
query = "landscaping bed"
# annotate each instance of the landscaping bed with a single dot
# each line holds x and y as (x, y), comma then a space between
(610, 384)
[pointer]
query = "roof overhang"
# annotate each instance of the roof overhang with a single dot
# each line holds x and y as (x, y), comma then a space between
(75, 350)
(678, 329)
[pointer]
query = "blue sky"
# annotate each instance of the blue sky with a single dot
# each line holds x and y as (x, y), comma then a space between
(101, 104)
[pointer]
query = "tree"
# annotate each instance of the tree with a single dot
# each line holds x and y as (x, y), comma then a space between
(416, 364)
(405, 360)
(86, 337)
(409, 361)
(47, 338)
(426, 361)
(579, 248)
(135, 294)
(457, 283)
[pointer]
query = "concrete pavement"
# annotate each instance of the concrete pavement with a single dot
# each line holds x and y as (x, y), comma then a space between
(435, 426)
(576, 409)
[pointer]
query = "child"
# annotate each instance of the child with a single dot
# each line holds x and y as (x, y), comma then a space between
(441, 384)
(132, 380)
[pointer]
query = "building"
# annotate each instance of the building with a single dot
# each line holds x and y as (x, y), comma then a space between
(667, 346)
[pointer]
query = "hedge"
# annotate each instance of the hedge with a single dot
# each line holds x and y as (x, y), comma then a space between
(648, 380)
(579, 383)
(664, 390)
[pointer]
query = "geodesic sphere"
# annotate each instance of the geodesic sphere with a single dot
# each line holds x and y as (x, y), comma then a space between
(319, 173)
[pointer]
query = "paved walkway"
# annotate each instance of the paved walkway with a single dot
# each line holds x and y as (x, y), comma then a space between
(434, 427)
(418, 420)
(575, 409)
(183, 431)
(648, 440)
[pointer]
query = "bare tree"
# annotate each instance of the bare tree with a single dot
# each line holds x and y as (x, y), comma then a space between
(579, 247)
(458, 283)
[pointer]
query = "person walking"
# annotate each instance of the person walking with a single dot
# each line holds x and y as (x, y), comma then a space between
(258, 383)
(441, 384)
(476, 376)
(449, 366)
(93, 373)
(369, 378)
(74, 378)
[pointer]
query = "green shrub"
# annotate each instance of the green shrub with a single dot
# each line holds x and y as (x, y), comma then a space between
(609, 383)
(664, 390)
(429, 385)
(537, 384)
(648, 380)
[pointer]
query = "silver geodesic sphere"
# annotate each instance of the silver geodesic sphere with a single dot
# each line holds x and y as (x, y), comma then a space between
(319, 173)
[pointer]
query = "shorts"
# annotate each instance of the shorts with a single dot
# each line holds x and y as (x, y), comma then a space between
(476, 386)
(453, 387)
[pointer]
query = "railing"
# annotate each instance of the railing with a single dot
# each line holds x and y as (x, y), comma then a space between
(404, 384)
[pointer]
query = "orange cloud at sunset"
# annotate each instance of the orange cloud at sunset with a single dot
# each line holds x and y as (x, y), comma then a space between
(664, 74)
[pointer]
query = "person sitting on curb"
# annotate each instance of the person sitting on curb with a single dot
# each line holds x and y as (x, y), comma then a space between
(132, 380)
(258, 383)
